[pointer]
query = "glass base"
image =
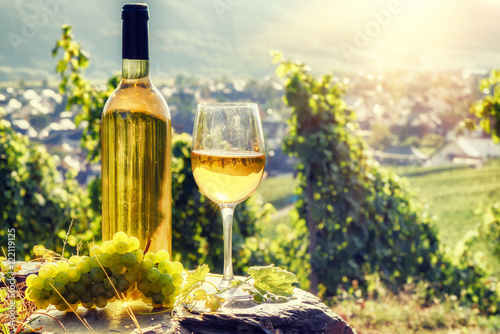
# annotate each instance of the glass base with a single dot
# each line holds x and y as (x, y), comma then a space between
(235, 293)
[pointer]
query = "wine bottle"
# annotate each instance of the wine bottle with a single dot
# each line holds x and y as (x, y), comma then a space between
(136, 152)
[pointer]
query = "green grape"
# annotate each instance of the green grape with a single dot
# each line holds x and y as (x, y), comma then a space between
(97, 289)
(44, 294)
(87, 297)
(62, 277)
(148, 294)
(89, 304)
(162, 255)
(116, 257)
(177, 279)
(32, 293)
(146, 265)
(144, 285)
(120, 236)
(29, 280)
(109, 283)
(48, 283)
(83, 266)
(109, 294)
(155, 287)
(104, 246)
(95, 251)
(44, 272)
(97, 275)
(71, 297)
(122, 285)
(178, 268)
(122, 247)
(54, 269)
(135, 295)
(128, 259)
(133, 243)
(74, 274)
(75, 259)
(55, 298)
(62, 306)
(134, 269)
(166, 267)
(79, 289)
(177, 291)
(60, 287)
(70, 286)
(147, 299)
(168, 291)
(86, 258)
(169, 302)
(139, 255)
(165, 280)
(153, 274)
(85, 280)
(72, 307)
(131, 278)
(110, 247)
(158, 298)
(106, 260)
(41, 304)
(150, 256)
(63, 266)
(38, 282)
(101, 301)
(118, 269)
(94, 262)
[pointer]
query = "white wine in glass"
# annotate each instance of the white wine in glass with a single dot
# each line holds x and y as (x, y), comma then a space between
(228, 160)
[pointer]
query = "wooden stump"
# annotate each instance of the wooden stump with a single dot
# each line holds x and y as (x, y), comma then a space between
(305, 314)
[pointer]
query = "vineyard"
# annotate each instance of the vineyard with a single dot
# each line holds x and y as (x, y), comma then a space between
(353, 232)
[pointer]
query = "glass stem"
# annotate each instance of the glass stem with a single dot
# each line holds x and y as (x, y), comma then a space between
(227, 221)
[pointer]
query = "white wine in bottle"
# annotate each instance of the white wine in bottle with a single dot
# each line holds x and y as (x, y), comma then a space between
(136, 152)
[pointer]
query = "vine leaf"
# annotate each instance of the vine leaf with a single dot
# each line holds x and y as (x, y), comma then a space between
(194, 277)
(273, 280)
(213, 302)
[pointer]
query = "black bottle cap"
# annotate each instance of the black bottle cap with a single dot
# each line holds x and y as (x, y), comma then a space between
(135, 18)
(135, 11)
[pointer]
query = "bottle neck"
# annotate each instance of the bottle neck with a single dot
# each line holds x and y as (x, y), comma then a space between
(135, 48)
(135, 69)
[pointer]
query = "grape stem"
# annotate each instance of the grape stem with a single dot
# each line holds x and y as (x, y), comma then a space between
(238, 283)
(148, 244)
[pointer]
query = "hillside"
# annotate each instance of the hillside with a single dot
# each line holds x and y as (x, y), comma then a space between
(233, 38)
(456, 197)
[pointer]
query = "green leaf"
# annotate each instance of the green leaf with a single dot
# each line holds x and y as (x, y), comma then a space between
(200, 294)
(213, 302)
(194, 277)
(273, 279)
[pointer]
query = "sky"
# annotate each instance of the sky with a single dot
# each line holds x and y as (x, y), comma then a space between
(234, 37)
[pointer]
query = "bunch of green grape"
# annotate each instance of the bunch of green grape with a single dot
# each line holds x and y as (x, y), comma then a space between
(160, 280)
(117, 269)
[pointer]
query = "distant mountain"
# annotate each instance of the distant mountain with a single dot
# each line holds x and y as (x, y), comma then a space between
(233, 37)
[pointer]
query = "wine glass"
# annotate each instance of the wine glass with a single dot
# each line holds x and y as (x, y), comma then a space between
(228, 161)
